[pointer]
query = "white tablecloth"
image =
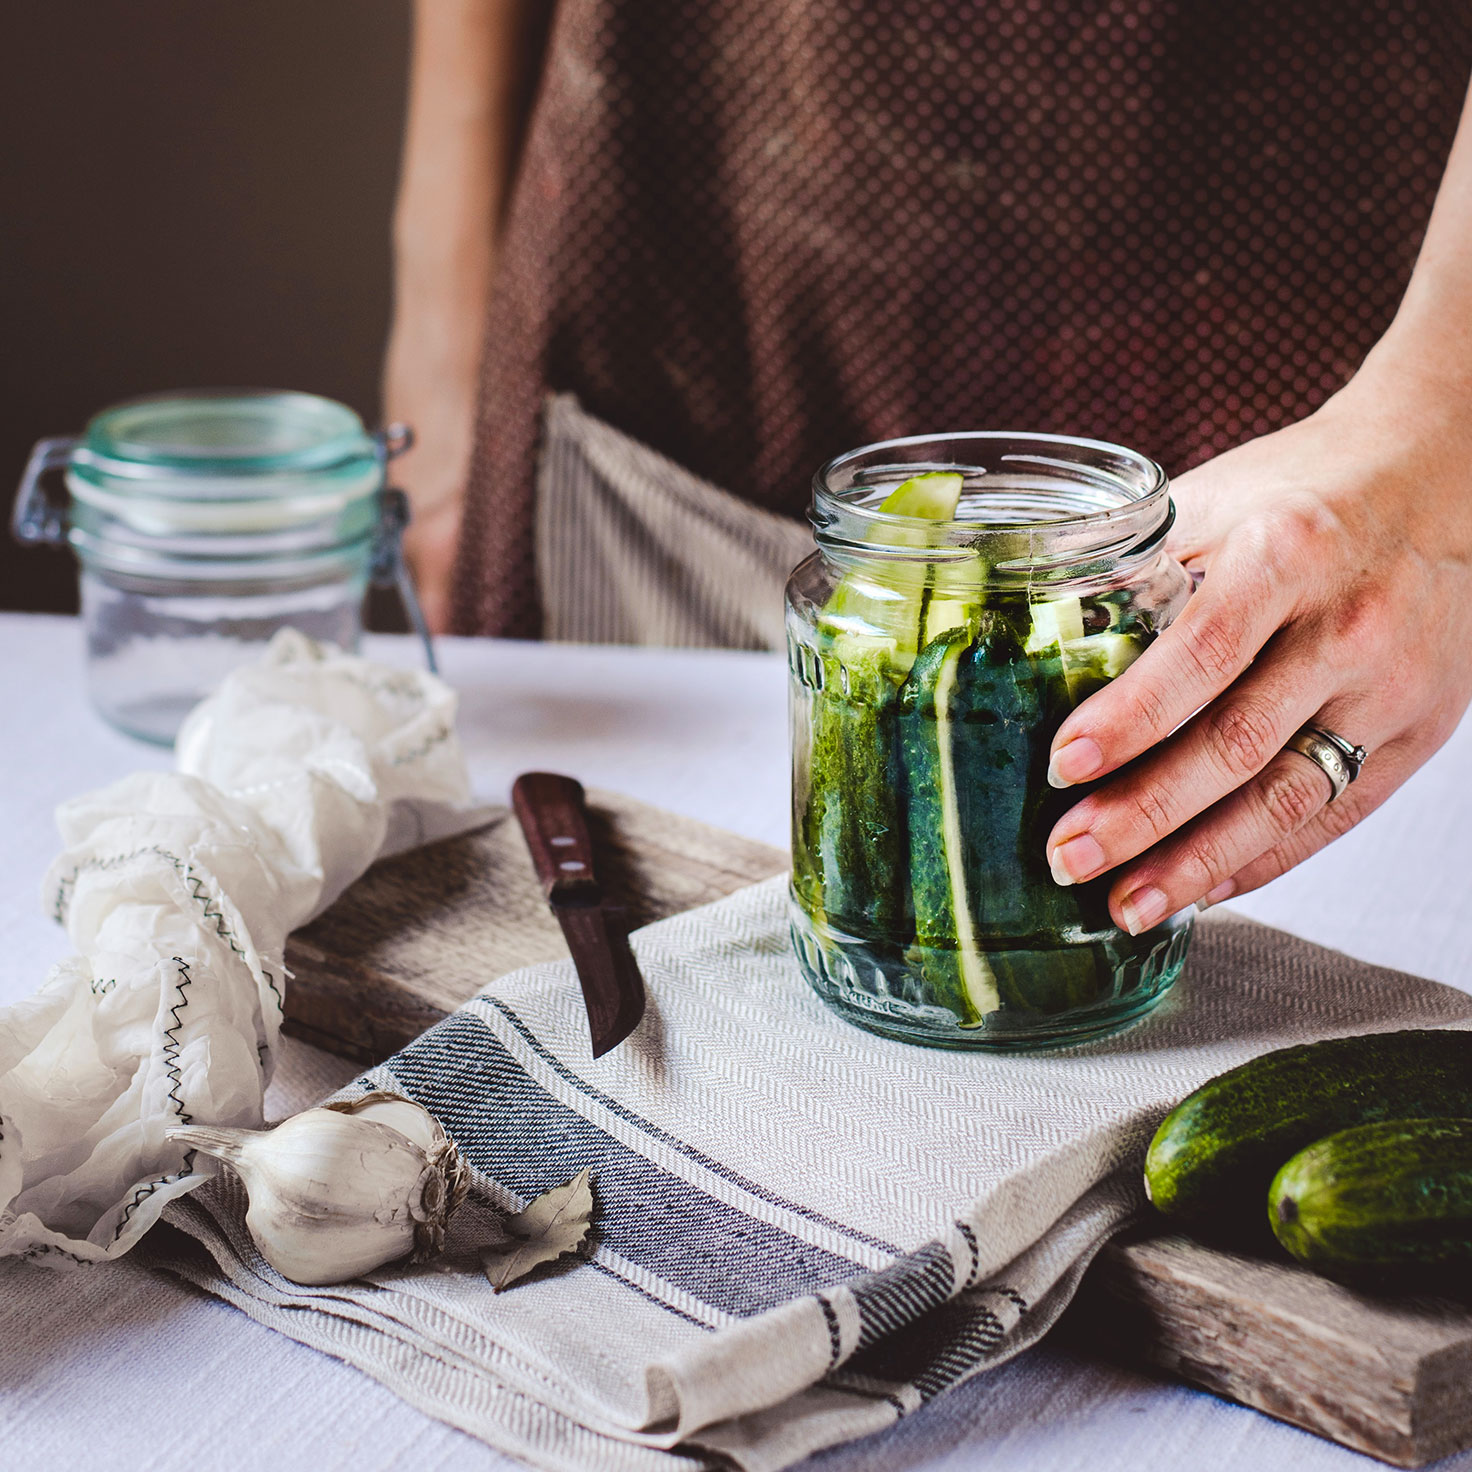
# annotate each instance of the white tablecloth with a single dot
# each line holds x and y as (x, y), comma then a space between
(120, 1369)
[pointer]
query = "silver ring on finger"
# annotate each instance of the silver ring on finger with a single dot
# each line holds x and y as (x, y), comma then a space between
(1338, 759)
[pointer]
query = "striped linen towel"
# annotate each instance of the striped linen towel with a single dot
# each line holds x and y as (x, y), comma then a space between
(804, 1232)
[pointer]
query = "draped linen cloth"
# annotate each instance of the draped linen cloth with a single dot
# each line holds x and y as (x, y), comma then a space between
(178, 890)
(804, 1232)
(633, 549)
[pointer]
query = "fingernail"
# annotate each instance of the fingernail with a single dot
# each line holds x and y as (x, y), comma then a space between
(1224, 891)
(1145, 908)
(1076, 761)
(1078, 858)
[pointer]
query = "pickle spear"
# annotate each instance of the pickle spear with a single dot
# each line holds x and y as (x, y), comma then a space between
(894, 602)
(853, 859)
(992, 929)
(948, 948)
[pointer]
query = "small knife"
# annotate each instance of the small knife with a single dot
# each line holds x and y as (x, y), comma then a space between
(553, 815)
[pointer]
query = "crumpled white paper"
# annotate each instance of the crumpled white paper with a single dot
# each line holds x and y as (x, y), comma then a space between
(178, 891)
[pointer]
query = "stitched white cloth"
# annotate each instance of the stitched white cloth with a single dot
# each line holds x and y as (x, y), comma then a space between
(804, 1232)
(178, 890)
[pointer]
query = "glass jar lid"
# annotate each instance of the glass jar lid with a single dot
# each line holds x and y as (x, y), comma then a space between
(221, 436)
(223, 462)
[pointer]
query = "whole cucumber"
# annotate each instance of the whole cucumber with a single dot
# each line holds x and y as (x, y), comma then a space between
(1383, 1198)
(1217, 1151)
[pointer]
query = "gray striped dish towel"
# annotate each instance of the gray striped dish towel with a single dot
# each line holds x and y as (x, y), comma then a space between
(804, 1232)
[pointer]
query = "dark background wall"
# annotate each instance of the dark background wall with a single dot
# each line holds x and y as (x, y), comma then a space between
(191, 194)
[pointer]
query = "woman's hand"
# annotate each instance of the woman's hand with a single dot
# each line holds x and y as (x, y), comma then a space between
(429, 384)
(1337, 562)
(1337, 557)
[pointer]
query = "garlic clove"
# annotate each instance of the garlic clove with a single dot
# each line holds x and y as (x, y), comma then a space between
(338, 1191)
(445, 1188)
(403, 1115)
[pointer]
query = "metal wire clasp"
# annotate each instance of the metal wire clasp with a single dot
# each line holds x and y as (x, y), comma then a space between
(37, 517)
(389, 570)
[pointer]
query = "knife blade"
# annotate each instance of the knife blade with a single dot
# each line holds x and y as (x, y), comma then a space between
(553, 814)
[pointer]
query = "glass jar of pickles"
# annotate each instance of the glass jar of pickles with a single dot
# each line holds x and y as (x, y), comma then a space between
(968, 592)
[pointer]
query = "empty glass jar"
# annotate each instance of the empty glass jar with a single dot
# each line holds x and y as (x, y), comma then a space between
(204, 522)
(968, 592)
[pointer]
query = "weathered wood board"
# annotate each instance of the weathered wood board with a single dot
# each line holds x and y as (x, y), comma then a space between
(423, 932)
(1391, 1376)
(420, 933)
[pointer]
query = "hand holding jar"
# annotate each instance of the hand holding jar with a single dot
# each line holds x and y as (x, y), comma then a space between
(1337, 562)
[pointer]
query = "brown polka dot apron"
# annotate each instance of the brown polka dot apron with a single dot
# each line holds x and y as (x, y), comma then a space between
(749, 234)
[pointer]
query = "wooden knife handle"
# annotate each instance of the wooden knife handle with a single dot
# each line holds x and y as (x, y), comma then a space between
(553, 815)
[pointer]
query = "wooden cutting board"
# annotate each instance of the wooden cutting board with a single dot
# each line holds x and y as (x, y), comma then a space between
(1391, 1376)
(421, 933)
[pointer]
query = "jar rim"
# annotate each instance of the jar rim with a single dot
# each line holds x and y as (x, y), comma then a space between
(241, 435)
(1108, 500)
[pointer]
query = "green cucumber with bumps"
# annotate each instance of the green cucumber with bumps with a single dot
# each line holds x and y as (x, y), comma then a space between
(1215, 1154)
(1385, 1199)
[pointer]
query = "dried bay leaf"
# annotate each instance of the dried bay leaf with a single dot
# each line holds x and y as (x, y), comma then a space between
(556, 1223)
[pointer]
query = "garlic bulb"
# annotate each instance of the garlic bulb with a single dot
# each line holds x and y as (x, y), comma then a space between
(345, 1188)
